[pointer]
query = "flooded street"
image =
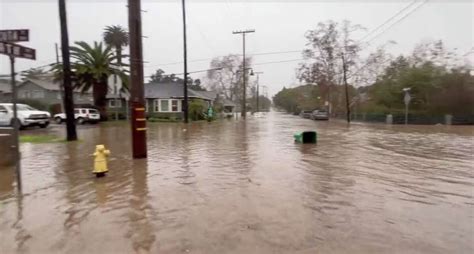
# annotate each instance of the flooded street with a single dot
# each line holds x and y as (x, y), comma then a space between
(245, 187)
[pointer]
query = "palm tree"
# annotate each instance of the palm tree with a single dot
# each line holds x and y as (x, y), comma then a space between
(92, 67)
(116, 37)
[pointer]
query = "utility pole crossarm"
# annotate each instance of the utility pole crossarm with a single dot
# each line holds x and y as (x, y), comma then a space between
(244, 31)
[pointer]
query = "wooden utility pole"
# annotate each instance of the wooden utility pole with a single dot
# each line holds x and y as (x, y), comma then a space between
(68, 91)
(185, 54)
(137, 100)
(61, 90)
(244, 71)
(344, 71)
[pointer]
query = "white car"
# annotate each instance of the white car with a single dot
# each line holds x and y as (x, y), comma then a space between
(27, 116)
(82, 116)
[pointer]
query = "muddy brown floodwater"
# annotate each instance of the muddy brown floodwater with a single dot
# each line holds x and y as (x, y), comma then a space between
(246, 187)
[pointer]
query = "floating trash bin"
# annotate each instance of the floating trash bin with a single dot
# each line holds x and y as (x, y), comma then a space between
(306, 137)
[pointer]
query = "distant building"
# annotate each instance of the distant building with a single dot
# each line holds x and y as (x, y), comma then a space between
(5, 90)
(48, 92)
(163, 100)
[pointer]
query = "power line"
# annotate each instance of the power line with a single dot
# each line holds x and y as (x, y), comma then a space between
(398, 21)
(298, 51)
(282, 61)
(388, 20)
(207, 59)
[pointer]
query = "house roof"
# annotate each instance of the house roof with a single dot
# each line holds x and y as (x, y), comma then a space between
(174, 90)
(49, 84)
(210, 95)
(5, 86)
(46, 84)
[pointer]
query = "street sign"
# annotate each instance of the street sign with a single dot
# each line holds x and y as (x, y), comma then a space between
(17, 50)
(115, 83)
(407, 98)
(16, 35)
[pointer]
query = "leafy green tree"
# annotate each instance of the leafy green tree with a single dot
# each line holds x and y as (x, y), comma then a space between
(36, 73)
(116, 37)
(92, 66)
(196, 86)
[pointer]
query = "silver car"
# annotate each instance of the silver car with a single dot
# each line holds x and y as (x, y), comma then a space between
(305, 114)
(320, 114)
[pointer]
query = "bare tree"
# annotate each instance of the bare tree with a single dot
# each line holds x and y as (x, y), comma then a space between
(227, 80)
(332, 53)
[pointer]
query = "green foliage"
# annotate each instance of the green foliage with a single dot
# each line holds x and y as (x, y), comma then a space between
(160, 77)
(116, 36)
(293, 100)
(91, 68)
(196, 86)
(37, 139)
(197, 110)
(434, 89)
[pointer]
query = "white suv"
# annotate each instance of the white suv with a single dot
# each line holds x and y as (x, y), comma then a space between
(82, 115)
(27, 116)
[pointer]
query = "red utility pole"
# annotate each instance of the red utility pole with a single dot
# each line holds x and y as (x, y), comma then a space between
(137, 100)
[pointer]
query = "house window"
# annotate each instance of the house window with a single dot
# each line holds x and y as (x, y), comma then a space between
(114, 103)
(164, 105)
(156, 106)
(174, 105)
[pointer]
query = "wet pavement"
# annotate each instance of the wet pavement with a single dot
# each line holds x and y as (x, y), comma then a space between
(245, 187)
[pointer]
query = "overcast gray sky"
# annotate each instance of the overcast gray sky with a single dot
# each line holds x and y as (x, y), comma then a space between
(280, 26)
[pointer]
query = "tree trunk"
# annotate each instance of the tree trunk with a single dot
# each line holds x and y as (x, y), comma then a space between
(119, 55)
(100, 94)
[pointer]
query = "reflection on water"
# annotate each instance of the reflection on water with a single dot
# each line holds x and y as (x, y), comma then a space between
(246, 187)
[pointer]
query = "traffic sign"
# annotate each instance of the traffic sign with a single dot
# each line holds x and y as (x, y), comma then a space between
(17, 50)
(115, 83)
(14, 35)
(407, 98)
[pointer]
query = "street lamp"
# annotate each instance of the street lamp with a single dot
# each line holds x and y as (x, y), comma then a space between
(407, 100)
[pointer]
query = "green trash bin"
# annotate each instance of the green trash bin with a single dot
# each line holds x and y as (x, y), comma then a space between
(306, 137)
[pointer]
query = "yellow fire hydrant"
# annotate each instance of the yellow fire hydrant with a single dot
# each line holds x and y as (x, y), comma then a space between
(100, 160)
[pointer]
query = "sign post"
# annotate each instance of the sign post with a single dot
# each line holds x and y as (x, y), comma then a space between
(116, 83)
(407, 100)
(7, 47)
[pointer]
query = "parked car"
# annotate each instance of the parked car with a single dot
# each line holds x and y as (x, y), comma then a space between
(305, 114)
(82, 116)
(320, 114)
(27, 116)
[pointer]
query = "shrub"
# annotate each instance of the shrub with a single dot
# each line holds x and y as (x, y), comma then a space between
(197, 109)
